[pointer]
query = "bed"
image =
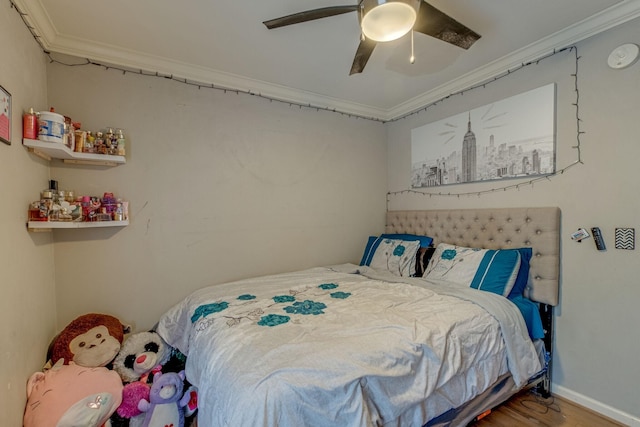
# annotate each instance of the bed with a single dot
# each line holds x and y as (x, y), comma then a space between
(369, 345)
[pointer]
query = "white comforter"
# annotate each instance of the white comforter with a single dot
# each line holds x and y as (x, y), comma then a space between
(323, 347)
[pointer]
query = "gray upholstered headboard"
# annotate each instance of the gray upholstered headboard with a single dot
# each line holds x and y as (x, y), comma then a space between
(501, 228)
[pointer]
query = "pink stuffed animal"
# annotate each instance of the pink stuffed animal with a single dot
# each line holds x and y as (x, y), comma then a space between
(72, 395)
(132, 394)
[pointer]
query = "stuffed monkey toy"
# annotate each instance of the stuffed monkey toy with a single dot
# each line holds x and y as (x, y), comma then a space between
(92, 340)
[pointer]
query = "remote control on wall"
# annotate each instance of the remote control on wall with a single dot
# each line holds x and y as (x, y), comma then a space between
(597, 237)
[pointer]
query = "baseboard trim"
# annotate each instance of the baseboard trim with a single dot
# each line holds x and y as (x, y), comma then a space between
(594, 405)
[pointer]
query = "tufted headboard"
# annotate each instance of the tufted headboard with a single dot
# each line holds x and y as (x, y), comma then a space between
(501, 228)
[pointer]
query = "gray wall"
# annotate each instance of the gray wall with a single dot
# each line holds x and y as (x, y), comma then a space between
(221, 186)
(27, 306)
(225, 186)
(597, 343)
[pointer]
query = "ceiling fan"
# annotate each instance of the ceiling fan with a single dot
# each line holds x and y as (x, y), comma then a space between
(386, 20)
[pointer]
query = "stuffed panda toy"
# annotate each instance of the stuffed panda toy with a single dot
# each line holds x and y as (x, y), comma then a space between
(142, 357)
(140, 354)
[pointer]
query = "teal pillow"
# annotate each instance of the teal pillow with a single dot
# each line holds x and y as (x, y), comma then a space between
(531, 316)
(369, 250)
(523, 274)
(497, 271)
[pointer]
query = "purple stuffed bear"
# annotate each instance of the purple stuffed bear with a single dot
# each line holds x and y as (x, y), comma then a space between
(166, 401)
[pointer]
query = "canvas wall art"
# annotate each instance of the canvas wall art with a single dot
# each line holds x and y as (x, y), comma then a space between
(5, 116)
(510, 138)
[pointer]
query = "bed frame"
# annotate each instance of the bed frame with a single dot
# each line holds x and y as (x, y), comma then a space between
(501, 228)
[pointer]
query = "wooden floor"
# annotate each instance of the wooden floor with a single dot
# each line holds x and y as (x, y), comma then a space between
(528, 409)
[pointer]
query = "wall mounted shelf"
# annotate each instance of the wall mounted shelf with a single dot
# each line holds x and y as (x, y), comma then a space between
(55, 150)
(50, 225)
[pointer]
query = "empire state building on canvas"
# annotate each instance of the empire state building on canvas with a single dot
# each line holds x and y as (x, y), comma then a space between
(511, 138)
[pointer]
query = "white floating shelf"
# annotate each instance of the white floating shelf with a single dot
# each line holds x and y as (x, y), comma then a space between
(50, 225)
(56, 150)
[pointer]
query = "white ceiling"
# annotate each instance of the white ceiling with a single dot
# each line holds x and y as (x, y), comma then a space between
(224, 42)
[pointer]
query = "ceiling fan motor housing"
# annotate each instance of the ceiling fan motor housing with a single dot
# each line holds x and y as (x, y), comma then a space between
(386, 20)
(367, 5)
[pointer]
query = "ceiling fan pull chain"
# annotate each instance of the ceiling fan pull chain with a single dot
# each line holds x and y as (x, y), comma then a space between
(361, 12)
(412, 59)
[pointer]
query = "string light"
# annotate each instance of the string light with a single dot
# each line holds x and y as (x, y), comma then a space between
(419, 110)
(531, 182)
(87, 61)
(124, 70)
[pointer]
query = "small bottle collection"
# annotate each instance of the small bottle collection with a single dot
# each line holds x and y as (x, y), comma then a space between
(50, 126)
(63, 205)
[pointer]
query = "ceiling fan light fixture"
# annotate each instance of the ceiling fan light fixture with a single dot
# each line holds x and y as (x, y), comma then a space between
(386, 20)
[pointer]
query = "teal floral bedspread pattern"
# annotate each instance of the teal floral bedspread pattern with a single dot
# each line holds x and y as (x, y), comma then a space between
(259, 316)
(259, 349)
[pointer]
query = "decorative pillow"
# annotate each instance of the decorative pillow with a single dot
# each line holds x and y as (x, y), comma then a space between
(523, 274)
(369, 249)
(374, 241)
(396, 256)
(484, 269)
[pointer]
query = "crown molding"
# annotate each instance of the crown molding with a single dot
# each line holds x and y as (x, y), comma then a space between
(38, 18)
(607, 19)
(137, 61)
(51, 40)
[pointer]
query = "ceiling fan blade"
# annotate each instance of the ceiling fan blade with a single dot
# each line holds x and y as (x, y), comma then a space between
(435, 23)
(309, 15)
(365, 49)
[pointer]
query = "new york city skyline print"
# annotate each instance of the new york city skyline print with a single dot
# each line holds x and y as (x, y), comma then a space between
(510, 138)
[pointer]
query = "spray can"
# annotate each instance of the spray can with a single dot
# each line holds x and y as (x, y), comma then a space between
(30, 125)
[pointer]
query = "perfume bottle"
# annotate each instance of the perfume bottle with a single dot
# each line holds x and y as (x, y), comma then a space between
(119, 213)
(85, 208)
(99, 145)
(53, 188)
(120, 143)
(89, 143)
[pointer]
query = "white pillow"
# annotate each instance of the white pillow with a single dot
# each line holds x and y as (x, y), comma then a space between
(484, 269)
(396, 256)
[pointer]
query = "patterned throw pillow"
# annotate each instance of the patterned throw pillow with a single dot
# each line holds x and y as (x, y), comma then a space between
(374, 241)
(484, 269)
(396, 256)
